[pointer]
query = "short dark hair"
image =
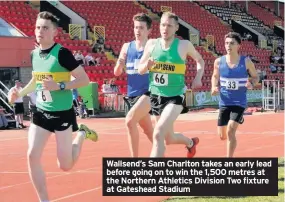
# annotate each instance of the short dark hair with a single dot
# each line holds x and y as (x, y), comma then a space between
(142, 17)
(234, 35)
(48, 16)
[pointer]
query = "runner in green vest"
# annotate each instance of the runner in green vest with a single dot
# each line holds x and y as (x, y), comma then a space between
(165, 59)
(53, 67)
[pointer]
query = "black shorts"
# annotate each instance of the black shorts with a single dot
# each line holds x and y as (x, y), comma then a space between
(227, 113)
(55, 121)
(75, 103)
(131, 101)
(19, 108)
(158, 103)
(32, 108)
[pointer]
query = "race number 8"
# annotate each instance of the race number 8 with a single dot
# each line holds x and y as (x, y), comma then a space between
(232, 85)
(160, 79)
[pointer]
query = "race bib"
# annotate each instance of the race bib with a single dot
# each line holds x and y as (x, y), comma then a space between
(232, 85)
(160, 79)
(44, 96)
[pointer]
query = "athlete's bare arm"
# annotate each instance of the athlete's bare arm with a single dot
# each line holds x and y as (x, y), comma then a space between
(146, 62)
(191, 51)
(252, 71)
(14, 94)
(215, 77)
(30, 87)
(81, 79)
(118, 69)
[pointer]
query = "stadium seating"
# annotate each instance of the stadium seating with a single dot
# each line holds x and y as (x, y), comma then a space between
(23, 16)
(267, 4)
(118, 23)
(119, 29)
(270, 6)
(226, 15)
(259, 13)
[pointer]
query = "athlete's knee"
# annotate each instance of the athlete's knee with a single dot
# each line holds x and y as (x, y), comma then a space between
(231, 132)
(222, 133)
(130, 121)
(64, 166)
(169, 139)
(158, 140)
(33, 156)
(159, 133)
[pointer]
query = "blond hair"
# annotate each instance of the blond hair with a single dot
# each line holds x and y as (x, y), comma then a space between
(171, 15)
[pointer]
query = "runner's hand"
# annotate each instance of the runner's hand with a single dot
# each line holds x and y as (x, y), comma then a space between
(150, 63)
(248, 85)
(13, 95)
(197, 83)
(214, 90)
(50, 85)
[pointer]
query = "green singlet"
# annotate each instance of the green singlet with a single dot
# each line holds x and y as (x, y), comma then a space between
(43, 68)
(167, 76)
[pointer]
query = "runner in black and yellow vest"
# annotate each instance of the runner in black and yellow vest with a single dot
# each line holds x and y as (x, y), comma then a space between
(165, 59)
(53, 67)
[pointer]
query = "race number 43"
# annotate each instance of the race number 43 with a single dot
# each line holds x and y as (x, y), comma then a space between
(160, 79)
(44, 96)
(232, 85)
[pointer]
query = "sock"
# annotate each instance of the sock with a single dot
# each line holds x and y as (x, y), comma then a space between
(191, 143)
(82, 132)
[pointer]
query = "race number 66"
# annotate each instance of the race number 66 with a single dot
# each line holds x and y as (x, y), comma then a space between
(160, 79)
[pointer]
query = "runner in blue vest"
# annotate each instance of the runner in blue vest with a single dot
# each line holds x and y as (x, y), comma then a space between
(137, 98)
(230, 78)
